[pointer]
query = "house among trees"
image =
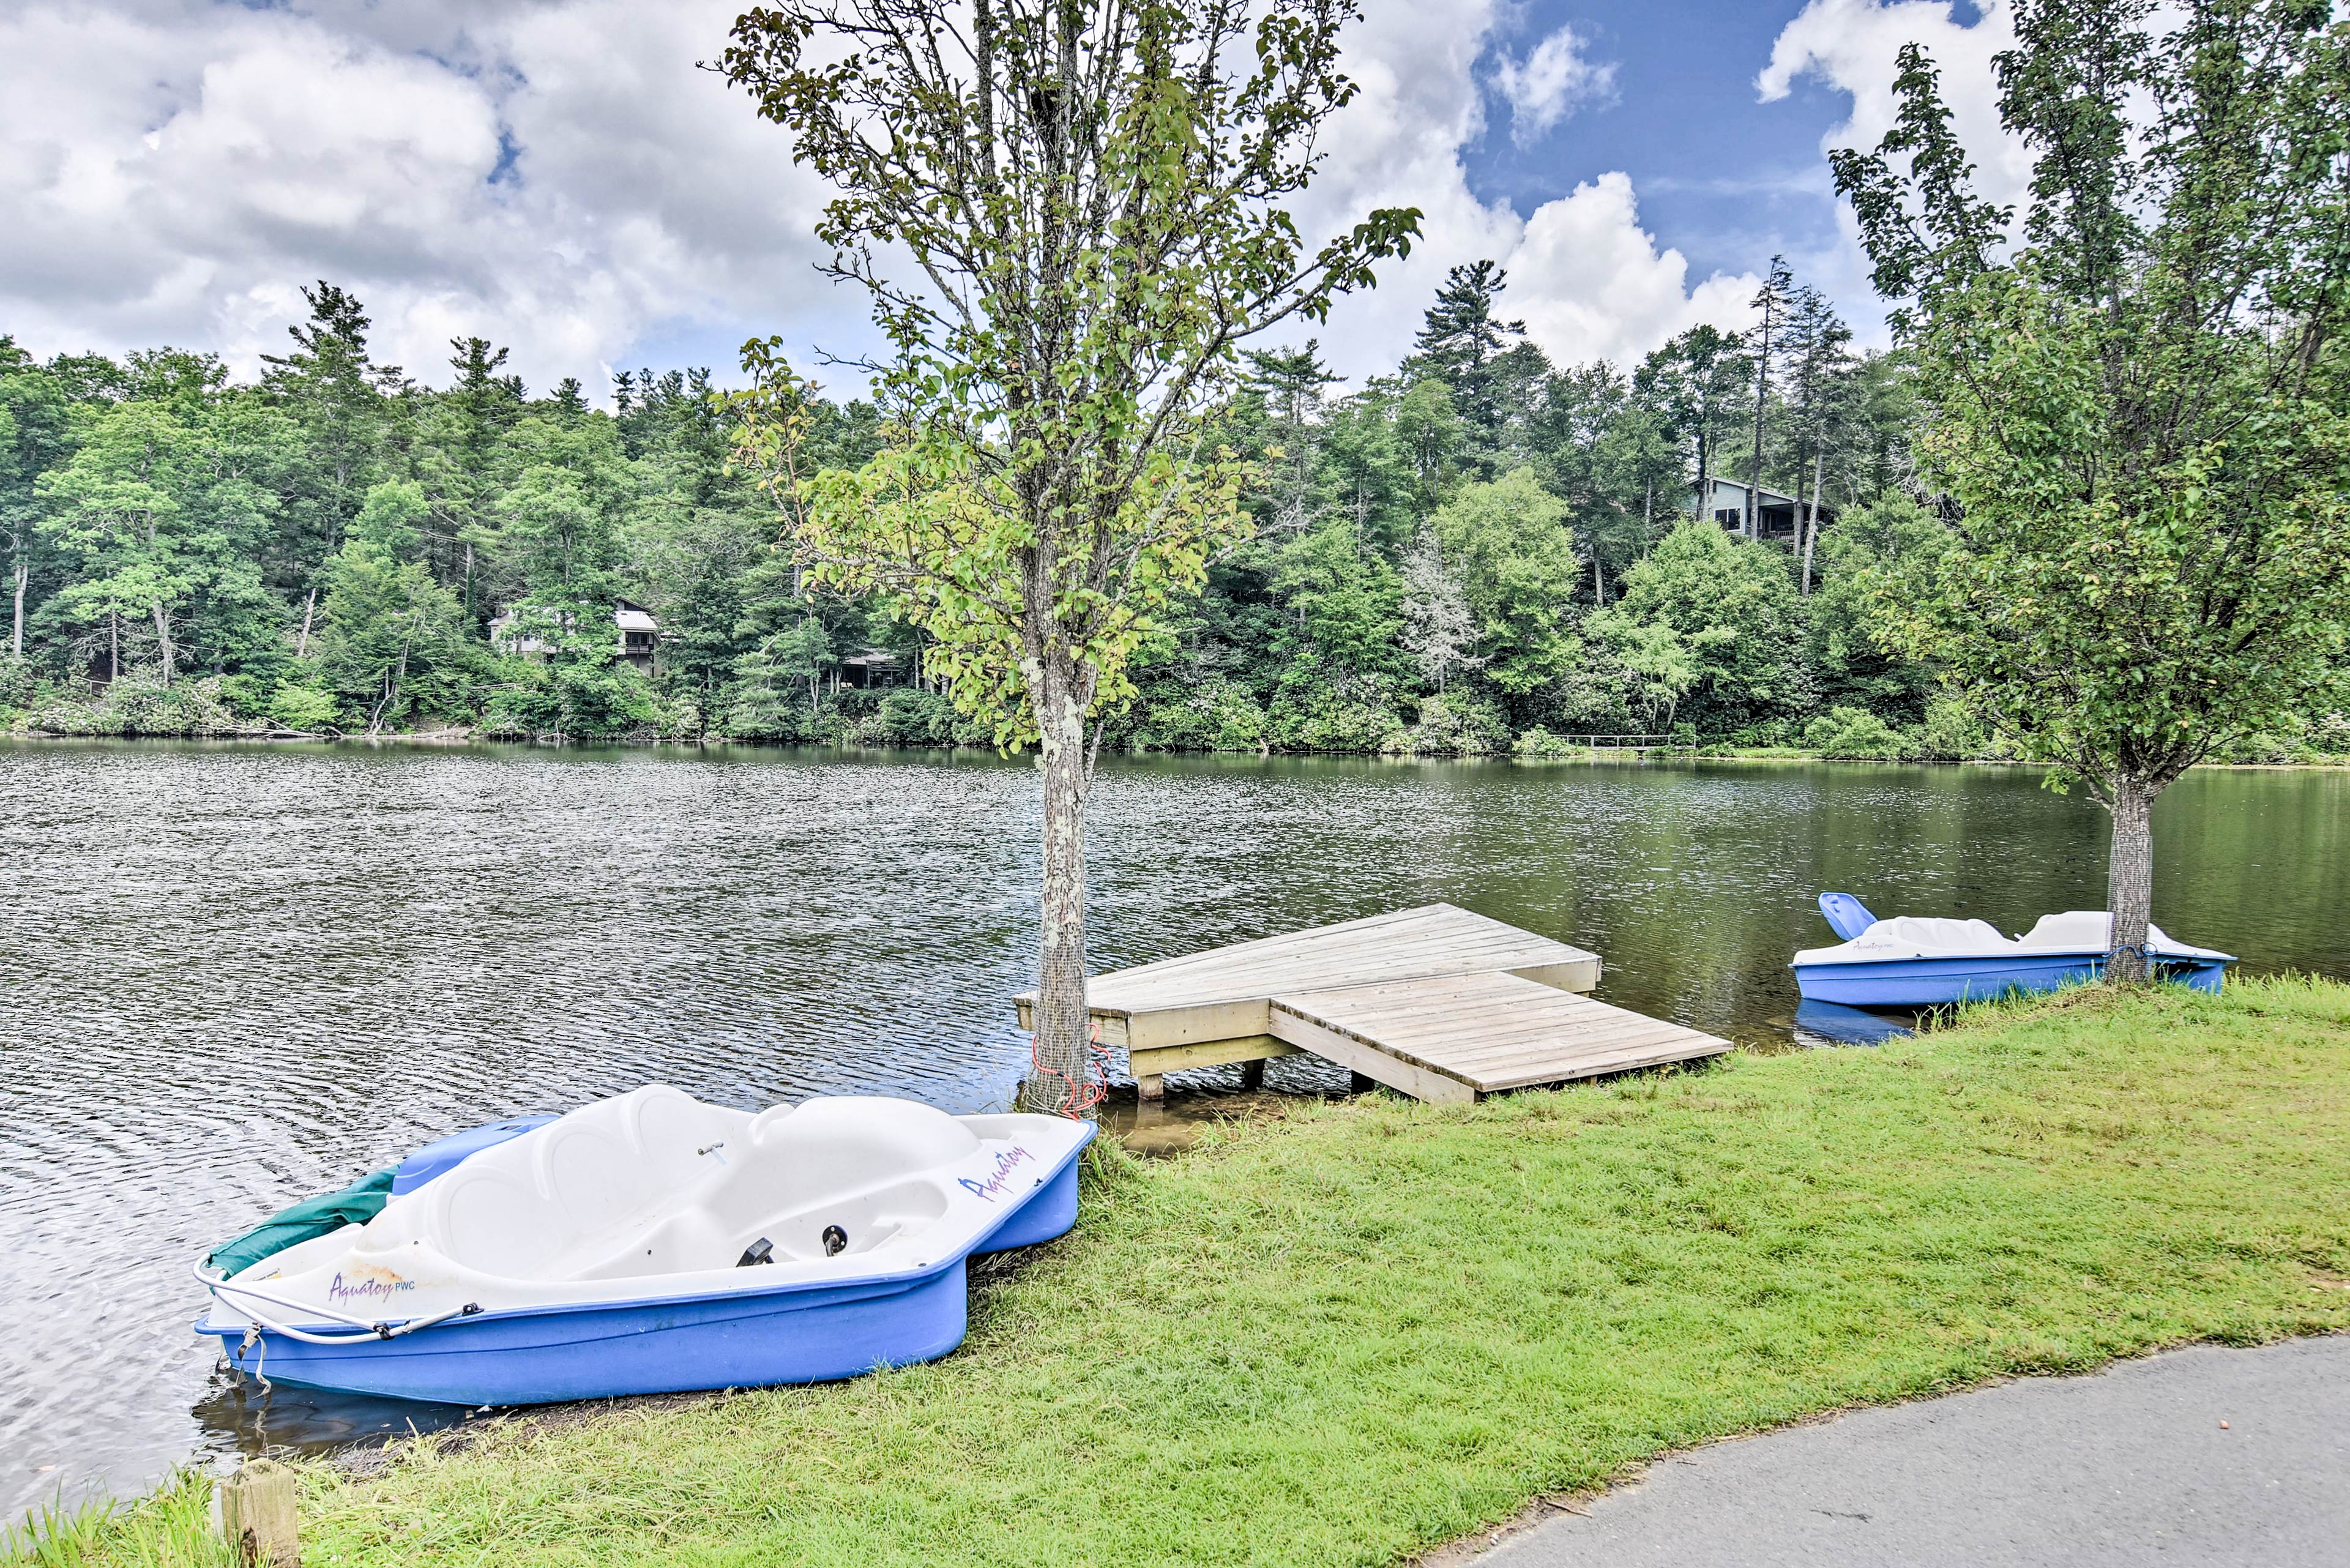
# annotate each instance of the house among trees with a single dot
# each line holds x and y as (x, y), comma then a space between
(875, 668)
(523, 630)
(1780, 515)
(639, 634)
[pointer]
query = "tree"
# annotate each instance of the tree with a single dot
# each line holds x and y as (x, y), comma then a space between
(1343, 605)
(390, 631)
(1604, 449)
(1092, 201)
(1284, 387)
(1509, 545)
(2138, 413)
(1693, 382)
(558, 520)
(1729, 601)
(1654, 666)
(334, 397)
(1771, 302)
(1821, 378)
(136, 509)
(34, 424)
(462, 477)
(803, 653)
(1439, 629)
(1461, 342)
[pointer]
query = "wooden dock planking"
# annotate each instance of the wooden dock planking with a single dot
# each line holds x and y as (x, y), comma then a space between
(1438, 1002)
(1220, 994)
(1483, 1032)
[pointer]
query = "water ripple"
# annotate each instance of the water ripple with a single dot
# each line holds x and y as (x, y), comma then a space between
(231, 976)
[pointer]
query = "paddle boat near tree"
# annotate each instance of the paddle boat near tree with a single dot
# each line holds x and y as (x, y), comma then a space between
(1920, 961)
(649, 1244)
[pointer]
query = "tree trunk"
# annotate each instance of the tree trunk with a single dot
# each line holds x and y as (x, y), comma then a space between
(2129, 878)
(302, 648)
(163, 640)
(113, 646)
(17, 636)
(1704, 489)
(1762, 400)
(1061, 692)
(1812, 518)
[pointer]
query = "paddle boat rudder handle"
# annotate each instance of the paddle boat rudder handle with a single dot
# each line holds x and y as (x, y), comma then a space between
(1847, 915)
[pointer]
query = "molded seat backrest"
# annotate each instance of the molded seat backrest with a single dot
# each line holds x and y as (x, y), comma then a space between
(2074, 931)
(671, 1131)
(847, 1143)
(514, 1209)
(1940, 936)
(498, 1221)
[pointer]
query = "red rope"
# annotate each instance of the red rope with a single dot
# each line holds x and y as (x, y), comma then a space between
(1089, 1087)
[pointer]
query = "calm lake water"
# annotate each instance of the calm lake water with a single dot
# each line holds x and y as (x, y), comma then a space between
(232, 976)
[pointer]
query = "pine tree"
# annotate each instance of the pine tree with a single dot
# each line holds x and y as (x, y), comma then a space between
(1771, 302)
(1461, 342)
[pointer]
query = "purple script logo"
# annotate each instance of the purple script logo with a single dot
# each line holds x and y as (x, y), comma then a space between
(380, 1289)
(1004, 1163)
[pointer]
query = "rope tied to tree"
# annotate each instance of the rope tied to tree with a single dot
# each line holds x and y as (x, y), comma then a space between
(1089, 1086)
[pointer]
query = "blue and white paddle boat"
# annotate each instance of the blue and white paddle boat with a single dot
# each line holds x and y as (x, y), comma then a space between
(1911, 961)
(652, 1243)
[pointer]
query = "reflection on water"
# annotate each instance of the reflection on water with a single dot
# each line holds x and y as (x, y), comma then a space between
(232, 976)
(249, 1416)
(1833, 1024)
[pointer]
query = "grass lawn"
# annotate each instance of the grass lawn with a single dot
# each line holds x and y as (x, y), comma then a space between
(1370, 1326)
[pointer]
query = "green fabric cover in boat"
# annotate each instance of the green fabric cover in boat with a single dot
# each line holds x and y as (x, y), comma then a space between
(357, 1204)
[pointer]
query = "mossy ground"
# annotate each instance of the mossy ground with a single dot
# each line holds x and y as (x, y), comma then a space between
(1374, 1326)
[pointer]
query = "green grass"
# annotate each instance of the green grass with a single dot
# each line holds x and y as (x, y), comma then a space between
(1375, 1325)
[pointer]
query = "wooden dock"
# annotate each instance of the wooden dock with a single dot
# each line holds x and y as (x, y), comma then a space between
(1436, 1001)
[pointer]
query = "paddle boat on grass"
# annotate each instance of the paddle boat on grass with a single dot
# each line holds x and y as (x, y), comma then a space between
(647, 1245)
(1910, 962)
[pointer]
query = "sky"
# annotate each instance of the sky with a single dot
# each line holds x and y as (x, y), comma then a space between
(556, 175)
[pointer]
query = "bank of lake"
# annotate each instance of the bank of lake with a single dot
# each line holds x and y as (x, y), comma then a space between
(1365, 1327)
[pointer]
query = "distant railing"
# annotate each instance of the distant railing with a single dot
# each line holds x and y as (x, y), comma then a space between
(1639, 743)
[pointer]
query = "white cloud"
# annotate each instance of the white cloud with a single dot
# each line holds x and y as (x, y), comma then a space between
(1591, 284)
(1552, 83)
(556, 175)
(1590, 281)
(1851, 45)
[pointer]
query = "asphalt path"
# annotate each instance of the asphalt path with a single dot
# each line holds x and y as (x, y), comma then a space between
(2203, 1456)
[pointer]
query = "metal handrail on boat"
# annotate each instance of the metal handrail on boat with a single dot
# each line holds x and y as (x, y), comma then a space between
(372, 1330)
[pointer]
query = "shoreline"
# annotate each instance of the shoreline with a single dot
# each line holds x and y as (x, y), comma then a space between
(1570, 1282)
(462, 739)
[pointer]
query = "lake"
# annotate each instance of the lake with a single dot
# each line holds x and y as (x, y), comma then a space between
(235, 975)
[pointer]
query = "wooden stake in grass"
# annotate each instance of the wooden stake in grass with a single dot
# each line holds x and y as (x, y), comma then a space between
(257, 1516)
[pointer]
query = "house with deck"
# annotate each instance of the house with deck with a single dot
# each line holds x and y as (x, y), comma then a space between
(1725, 503)
(525, 630)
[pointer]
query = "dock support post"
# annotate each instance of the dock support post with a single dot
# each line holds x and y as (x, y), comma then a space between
(256, 1516)
(1253, 1073)
(1149, 1089)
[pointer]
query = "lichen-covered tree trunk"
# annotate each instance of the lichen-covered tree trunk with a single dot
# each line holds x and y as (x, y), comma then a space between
(1812, 516)
(1062, 690)
(2129, 878)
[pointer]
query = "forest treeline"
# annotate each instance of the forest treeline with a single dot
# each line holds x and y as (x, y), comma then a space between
(1482, 553)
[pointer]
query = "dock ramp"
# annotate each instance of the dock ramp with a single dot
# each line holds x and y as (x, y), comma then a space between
(1436, 1001)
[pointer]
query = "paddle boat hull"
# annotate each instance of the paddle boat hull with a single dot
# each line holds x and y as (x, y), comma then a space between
(819, 1318)
(1934, 983)
(1912, 963)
